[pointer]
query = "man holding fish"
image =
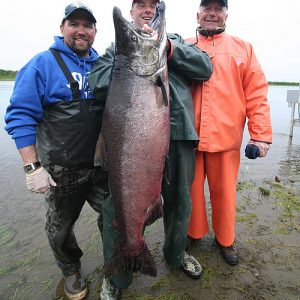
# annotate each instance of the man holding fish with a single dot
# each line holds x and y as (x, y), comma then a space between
(124, 92)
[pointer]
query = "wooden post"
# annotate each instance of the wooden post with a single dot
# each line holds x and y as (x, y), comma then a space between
(292, 120)
(292, 98)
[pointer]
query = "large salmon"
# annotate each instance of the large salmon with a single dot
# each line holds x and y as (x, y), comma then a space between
(136, 134)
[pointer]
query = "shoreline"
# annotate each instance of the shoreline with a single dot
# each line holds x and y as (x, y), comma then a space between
(271, 83)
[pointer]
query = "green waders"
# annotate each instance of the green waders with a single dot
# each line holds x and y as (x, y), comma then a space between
(177, 200)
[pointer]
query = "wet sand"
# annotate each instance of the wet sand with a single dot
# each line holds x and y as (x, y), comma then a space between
(267, 235)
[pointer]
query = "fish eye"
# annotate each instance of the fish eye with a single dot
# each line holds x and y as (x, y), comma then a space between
(133, 38)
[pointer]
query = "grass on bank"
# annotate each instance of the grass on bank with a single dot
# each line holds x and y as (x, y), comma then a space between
(283, 83)
(7, 75)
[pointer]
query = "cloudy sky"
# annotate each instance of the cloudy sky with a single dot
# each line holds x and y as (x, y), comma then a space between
(272, 26)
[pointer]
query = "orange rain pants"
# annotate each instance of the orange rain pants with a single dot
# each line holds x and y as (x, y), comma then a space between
(221, 170)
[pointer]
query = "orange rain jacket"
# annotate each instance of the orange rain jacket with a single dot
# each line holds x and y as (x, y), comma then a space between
(236, 90)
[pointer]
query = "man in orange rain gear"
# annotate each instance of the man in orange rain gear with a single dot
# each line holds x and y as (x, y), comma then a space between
(237, 90)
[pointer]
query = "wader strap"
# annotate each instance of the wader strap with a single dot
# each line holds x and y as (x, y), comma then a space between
(73, 83)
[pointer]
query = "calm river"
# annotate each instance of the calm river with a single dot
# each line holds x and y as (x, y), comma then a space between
(27, 268)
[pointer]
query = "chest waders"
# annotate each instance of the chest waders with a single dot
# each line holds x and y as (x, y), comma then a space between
(66, 142)
(68, 134)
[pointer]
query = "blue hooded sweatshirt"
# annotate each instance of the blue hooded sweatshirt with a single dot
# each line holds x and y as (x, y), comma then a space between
(41, 82)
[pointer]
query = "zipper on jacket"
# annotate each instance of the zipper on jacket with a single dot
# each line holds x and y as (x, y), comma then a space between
(213, 47)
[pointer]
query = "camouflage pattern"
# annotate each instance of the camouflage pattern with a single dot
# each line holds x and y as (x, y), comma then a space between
(65, 202)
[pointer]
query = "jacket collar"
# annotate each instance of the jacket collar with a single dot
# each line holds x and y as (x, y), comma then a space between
(210, 37)
(204, 32)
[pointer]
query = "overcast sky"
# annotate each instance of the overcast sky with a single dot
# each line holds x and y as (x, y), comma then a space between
(271, 26)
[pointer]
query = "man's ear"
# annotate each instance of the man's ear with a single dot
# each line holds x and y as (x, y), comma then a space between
(226, 17)
(198, 15)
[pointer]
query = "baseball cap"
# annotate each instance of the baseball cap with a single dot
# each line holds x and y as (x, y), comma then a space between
(78, 6)
(222, 2)
(134, 1)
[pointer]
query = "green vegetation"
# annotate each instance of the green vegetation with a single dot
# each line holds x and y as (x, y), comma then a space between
(25, 262)
(263, 191)
(7, 75)
(245, 185)
(6, 235)
(283, 83)
(289, 202)
(246, 218)
(47, 285)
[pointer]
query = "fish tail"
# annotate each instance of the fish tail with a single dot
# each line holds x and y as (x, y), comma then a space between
(143, 263)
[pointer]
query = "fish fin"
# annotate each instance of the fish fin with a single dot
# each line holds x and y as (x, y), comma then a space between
(100, 157)
(115, 224)
(160, 83)
(143, 262)
(155, 212)
(167, 170)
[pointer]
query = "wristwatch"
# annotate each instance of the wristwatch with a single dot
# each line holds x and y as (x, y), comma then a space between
(31, 167)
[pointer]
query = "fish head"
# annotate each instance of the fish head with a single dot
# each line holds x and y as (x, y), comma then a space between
(144, 52)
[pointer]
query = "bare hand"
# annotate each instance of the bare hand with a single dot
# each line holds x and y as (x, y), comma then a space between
(147, 28)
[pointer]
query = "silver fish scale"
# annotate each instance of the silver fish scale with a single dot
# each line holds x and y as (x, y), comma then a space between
(136, 131)
(136, 135)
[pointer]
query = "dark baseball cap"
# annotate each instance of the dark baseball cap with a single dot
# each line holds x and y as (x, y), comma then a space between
(78, 6)
(222, 2)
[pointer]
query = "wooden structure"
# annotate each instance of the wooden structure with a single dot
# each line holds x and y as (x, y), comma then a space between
(293, 98)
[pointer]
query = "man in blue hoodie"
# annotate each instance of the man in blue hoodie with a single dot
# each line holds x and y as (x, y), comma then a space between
(55, 122)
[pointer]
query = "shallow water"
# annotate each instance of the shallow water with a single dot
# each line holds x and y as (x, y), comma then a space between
(27, 268)
(283, 158)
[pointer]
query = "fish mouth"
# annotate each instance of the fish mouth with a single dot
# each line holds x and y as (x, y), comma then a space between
(157, 23)
(142, 52)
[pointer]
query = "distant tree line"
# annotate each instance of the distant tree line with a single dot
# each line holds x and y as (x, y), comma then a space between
(283, 83)
(11, 75)
(7, 74)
